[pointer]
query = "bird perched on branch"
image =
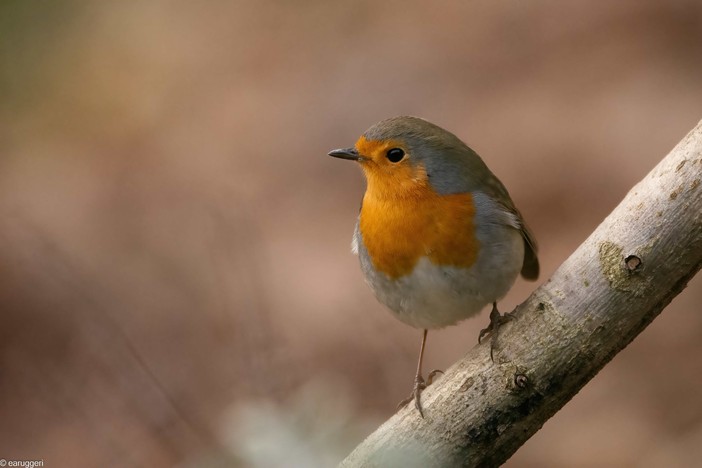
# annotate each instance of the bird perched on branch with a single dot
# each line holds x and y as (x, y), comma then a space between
(438, 236)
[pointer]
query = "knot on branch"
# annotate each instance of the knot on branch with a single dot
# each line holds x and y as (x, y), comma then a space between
(632, 263)
(521, 380)
(623, 271)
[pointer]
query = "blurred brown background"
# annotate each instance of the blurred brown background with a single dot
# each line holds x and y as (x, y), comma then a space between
(176, 286)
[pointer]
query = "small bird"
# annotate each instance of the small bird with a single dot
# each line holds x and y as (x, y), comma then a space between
(438, 236)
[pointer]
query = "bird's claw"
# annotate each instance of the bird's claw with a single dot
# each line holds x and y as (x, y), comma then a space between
(496, 321)
(419, 385)
(432, 374)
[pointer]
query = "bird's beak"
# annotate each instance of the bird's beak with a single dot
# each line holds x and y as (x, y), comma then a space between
(346, 153)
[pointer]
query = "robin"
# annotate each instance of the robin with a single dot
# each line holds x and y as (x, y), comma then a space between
(438, 236)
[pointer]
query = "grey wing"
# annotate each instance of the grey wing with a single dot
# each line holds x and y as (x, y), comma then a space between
(530, 267)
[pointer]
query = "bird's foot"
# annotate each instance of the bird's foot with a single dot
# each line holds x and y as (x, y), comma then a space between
(419, 385)
(496, 321)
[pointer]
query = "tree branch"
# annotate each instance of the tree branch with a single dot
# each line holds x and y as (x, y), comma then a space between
(641, 256)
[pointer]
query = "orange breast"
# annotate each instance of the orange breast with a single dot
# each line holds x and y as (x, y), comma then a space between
(398, 231)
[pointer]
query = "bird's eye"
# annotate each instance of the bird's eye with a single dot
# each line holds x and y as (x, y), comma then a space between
(395, 155)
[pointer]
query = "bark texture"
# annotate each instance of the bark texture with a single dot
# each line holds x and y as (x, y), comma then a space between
(641, 256)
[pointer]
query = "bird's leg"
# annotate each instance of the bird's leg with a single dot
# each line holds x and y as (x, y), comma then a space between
(496, 320)
(419, 382)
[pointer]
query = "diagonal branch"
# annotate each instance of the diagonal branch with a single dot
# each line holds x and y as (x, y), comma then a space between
(629, 269)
